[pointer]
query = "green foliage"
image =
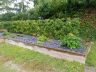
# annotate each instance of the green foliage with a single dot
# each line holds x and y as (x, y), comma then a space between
(91, 57)
(46, 9)
(42, 38)
(69, 3)
(61, 8)
(34, 13)
(14, 17)
(70, 41)
(43, 63)
(20, 16)
(6, 33)
(7, 16)
(56, 28)
(88, 31)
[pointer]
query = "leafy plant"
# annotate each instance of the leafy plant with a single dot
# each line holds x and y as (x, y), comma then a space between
(70, 41)
(6, 33)
(51, 28)
(42, 38)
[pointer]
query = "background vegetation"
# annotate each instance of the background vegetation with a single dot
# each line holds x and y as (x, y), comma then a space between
(44, 9)
(55, 28)
(55, 19)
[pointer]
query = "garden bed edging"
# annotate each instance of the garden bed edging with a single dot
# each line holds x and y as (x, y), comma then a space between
(53, 53)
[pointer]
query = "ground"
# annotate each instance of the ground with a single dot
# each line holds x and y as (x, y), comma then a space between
(91, 58)
(16, 59)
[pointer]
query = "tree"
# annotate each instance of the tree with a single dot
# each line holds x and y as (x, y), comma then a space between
(7, 16)
(5, 4)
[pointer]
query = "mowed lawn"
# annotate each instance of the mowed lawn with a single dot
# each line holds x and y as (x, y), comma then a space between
(15, 59)
(91, 58)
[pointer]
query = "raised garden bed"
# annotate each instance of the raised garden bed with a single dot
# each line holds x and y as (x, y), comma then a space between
(49, 44)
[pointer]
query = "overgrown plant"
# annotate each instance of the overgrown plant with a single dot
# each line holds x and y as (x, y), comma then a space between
(70, 41)
(50, 28)
(42, 38)
(6, 33)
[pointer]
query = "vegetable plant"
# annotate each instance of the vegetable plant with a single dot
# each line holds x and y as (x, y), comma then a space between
(70, 41)
(42, 38)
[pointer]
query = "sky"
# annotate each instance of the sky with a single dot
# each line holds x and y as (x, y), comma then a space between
(30, 4)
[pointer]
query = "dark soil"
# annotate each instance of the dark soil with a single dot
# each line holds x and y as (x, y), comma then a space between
(49, 44)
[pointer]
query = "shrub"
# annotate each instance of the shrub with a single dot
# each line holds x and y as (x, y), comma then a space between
(42, 38)
(6, 33)
(70, 41)
(7, 16)
(56, 28)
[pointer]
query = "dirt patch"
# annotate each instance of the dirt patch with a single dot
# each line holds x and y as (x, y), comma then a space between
(4, 59)
(2, 40)
(3, 30)
(15, 67)
(35, 66)
(32, 66)
(90, 16)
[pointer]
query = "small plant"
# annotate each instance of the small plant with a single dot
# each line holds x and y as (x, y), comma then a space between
(6, 33)
(70, 41)
(42, 38)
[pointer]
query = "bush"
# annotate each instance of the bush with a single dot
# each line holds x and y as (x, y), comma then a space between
(7, 16)
(61, 8)
(42, 38)
(70, 41)
(20, 16)
(56, 28)
(6, 33)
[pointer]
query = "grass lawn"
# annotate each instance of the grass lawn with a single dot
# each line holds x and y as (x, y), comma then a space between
(91, 59)
(31, 61)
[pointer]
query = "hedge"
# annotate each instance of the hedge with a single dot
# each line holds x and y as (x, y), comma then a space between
(56, 28)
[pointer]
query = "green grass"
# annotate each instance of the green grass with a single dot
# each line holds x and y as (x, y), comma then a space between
(91, 58)
(37, 62)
